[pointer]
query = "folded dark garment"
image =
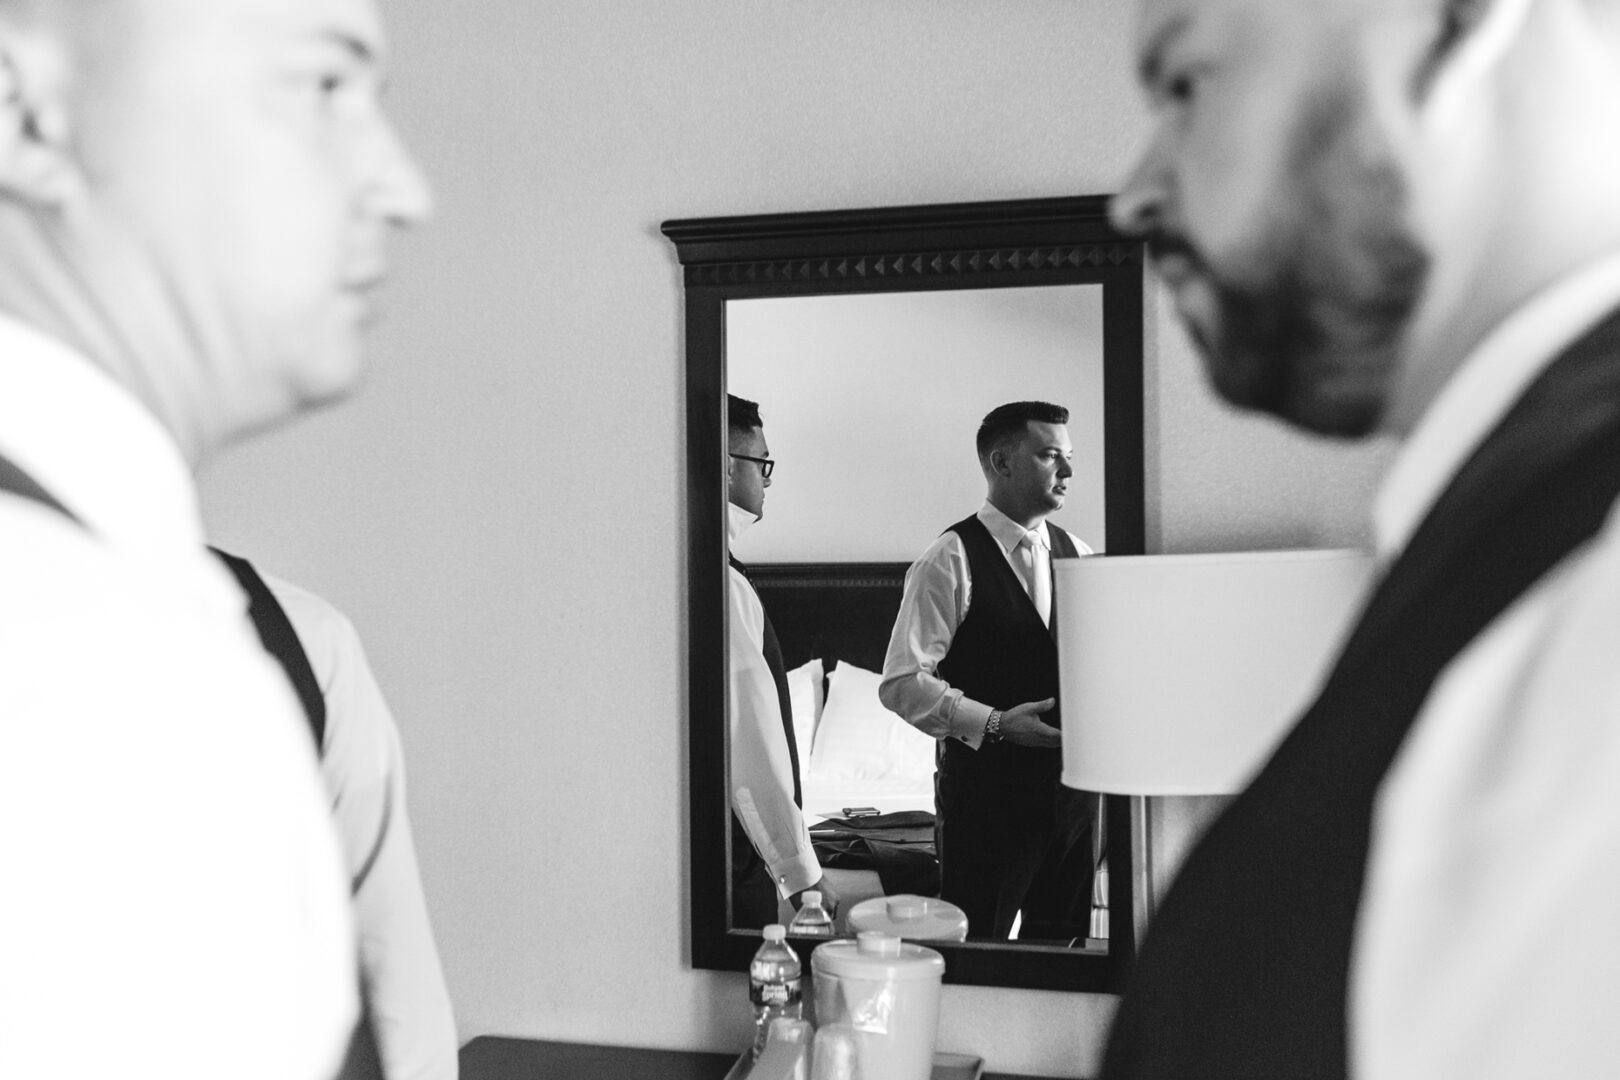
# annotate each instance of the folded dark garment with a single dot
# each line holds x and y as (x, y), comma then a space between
(903, 827)
(902, 868)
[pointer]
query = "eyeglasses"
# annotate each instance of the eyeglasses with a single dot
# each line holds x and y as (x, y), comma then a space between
(766, 465)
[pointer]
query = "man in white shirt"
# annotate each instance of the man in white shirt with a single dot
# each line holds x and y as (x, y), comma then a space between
(972, 662)
(194, 199)
(771, 855)
(1386, 215)
(409, 1029)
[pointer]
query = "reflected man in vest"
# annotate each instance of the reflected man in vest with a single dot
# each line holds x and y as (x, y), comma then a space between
(972, 662)
(771, 856)
(1400, 216)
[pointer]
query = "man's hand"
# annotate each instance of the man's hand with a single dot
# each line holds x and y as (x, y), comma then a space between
(1022, 725)
(829, 896)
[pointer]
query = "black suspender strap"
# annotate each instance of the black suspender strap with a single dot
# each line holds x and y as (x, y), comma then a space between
(772, 651)
(280, 641)
(16, 482)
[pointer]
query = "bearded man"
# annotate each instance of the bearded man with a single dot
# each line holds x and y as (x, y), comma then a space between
(1401, 216)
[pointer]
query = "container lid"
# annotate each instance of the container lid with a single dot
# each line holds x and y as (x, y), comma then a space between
(918, 918)
(775, 932)
(874, 955)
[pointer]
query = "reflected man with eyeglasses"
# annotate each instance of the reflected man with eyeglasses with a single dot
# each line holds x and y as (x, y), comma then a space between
(771, 854)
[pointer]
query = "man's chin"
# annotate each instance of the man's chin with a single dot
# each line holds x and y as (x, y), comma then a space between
(1280, 384)
(331, 381)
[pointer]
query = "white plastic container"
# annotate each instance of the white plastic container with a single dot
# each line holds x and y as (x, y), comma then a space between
(915, 918)
(887, 991)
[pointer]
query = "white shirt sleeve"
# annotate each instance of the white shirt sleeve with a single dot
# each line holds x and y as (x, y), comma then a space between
(364, 769)
(937, 590)
(761, 771)
(174, 902)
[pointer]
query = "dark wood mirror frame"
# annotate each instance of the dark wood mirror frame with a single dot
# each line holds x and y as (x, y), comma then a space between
(1060, 241)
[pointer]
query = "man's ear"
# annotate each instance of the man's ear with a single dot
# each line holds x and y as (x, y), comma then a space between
(35, 164)
(998, 462)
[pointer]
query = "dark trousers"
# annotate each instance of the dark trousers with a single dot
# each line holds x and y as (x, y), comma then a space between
(1016, 844)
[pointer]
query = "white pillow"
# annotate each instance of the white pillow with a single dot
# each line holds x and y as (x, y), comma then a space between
(858, 739)
(806, 690)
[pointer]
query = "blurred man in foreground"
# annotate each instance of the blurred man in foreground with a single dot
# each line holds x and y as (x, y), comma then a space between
(1400, 216)
(194, 200)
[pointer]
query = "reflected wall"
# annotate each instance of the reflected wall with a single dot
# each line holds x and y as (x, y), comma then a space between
(871, 402)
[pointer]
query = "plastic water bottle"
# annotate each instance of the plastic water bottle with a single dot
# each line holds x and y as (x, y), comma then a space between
(773, 984)
(813, 920)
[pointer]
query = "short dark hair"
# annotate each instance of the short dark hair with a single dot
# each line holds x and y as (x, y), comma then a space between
(742, 415)
(1010, 419)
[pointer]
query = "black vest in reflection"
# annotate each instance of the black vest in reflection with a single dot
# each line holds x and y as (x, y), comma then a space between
(773, 660)
(1245, 971)
(1002, 654)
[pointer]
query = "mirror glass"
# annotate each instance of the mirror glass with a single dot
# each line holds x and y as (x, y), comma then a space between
(871, 403)
(875, 341)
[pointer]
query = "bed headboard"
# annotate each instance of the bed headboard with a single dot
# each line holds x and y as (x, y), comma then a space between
(834, 611)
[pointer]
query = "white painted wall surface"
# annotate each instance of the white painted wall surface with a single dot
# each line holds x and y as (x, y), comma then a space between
(500, 510)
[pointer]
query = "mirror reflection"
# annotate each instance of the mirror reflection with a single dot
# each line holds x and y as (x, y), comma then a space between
(891, 733)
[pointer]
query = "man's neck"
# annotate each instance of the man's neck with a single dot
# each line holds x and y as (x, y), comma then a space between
(1025, 516)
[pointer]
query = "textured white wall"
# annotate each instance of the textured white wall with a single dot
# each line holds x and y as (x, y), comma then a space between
(500, 511)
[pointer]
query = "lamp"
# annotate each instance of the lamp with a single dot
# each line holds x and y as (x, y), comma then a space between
(1180, 673)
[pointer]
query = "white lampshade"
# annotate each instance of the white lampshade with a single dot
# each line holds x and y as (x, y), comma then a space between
(1180, 673)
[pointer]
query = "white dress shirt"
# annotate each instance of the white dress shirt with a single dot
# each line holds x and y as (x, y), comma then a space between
(364, 769)
(173, 903)
(761, 771)
(1487, 942)
(938, 590)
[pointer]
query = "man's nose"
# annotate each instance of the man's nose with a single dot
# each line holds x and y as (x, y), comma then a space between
(398, 190)
(1138, 208)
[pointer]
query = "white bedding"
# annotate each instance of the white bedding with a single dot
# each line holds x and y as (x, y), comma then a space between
(858, 753)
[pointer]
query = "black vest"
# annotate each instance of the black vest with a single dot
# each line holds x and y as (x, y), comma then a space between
(1001, 655)
(1245, 971)
(773, 660)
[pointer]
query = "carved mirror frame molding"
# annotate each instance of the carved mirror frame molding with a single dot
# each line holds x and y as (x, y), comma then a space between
(1059, 241)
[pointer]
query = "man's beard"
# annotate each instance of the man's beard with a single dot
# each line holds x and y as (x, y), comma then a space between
(1309, 324)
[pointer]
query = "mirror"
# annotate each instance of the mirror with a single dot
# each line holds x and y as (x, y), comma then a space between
(875, 340)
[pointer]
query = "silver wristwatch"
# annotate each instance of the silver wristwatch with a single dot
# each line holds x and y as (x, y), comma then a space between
(992, 727)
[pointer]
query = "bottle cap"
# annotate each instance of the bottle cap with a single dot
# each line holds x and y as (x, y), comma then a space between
(811, 896)
(776, 932)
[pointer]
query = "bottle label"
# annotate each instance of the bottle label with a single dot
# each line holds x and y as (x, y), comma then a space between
(775, 993)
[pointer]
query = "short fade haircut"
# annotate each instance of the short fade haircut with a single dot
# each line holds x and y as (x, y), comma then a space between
(1005, 421)
(742, 415)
